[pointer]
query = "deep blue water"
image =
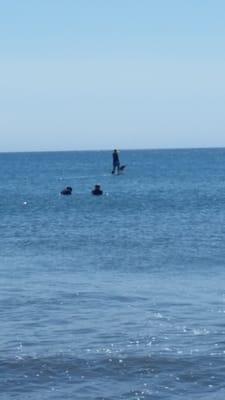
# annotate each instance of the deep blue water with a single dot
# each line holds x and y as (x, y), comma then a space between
(113, 297)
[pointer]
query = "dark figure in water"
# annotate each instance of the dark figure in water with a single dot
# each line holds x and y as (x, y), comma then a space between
(67, 191)
(122, 167)
(116, 162)
(97, 191)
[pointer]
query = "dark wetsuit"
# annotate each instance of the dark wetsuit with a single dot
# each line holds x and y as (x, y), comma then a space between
(67, 191)
(116, 162)
(97, 191)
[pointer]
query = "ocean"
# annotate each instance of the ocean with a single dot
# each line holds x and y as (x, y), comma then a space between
(120, 296)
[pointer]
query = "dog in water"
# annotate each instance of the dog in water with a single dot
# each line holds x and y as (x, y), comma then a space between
(120, 169)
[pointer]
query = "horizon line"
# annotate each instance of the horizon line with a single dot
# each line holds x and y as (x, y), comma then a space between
(111, 149)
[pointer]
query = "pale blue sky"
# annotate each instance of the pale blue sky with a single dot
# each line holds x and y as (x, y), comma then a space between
(100, 74)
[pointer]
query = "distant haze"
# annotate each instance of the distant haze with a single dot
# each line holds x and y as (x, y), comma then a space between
(96, 74)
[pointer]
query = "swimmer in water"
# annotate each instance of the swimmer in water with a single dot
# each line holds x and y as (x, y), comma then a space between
(97, 191)
(67, 191)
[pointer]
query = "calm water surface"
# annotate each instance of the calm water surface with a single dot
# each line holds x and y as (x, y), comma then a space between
(115, 297)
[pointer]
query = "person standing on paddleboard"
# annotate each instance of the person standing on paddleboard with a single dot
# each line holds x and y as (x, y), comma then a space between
(116, 161)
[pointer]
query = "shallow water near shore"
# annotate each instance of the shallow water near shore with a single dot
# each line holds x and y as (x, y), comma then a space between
(120, 296)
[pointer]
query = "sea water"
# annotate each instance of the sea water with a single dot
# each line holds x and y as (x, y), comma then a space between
(120, 296)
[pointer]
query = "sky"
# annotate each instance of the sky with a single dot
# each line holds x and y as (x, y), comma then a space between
(104, 74)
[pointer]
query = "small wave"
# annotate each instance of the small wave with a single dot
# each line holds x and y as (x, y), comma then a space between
(110, 377)
(104, 364)
(199, 331)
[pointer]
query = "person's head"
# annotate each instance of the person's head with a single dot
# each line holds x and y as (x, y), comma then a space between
(97, 190)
